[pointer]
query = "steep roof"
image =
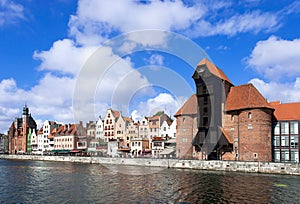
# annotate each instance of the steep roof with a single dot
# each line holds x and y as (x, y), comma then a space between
(214, 69)
(190, 107)
(245, 97)
(286, 111)
(115, 113)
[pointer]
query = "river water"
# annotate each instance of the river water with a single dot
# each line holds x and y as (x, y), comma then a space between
(59, 182)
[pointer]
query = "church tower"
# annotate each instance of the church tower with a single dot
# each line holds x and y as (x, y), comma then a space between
(25, 119)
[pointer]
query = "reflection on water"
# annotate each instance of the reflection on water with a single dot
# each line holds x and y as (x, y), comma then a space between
(54, 182)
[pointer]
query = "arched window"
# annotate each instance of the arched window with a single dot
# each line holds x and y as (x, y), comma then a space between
(249, 115)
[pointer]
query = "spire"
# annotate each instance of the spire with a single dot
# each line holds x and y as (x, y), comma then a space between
(25, 109)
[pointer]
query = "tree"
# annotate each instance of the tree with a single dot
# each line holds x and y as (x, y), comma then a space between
(159, 113)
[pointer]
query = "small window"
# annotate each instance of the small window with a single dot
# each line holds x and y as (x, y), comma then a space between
(255, 155)
(249, 115)
(232, 118)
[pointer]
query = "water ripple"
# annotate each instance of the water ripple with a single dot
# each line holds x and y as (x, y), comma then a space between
(54, 182)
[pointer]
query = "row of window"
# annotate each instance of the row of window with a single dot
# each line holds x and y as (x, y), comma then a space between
(63, 146)
(109, 121)
(285, 128)
(286, 155)
(109, 128)
(109, 134)
(286, 141)
(135, 144)
(63, 139)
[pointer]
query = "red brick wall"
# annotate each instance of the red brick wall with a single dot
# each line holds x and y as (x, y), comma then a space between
(186, 131)
(251, 136)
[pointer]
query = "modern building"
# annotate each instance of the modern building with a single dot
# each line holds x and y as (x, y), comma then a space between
(18, 132)
(286, 132)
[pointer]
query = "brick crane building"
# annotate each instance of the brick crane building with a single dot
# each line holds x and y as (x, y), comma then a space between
(235, 122)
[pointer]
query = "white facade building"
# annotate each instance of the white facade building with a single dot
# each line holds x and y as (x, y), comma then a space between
(99, 129)
(143, 131)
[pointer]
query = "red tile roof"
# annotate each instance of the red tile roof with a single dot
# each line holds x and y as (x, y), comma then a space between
(245, 97)
(190, 107)
(127, 119)
(214, 69)
(115, 113)
(286, 111)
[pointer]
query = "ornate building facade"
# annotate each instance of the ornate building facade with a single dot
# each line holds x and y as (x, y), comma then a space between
(18, 132)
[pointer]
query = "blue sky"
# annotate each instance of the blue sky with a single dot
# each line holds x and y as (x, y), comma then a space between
(45, 45)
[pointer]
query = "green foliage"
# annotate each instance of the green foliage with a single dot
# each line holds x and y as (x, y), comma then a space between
(159, 113)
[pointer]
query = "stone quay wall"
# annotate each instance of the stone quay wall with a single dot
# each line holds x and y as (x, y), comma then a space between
(238, 166)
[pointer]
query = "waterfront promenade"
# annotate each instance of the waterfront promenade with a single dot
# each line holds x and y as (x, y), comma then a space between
(238, 166)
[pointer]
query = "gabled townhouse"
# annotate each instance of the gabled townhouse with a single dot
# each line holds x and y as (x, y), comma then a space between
(132, 131)
(165, 128)
(31, 138)
(143, 129)
(121, 127)
(48, 141)
(172, 129)
(34, 141)
(41, 141)
(99, 128)
(110, 120)
(154, 126)
(91, 129)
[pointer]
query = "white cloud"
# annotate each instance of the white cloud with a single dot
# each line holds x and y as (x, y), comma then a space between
(254, 21)
(10, 12)
(50, 99)
(156, 59)
(276, 58)
(103, 17)
(64, 57)
(276, 91)
(278, 62)
(162, 102)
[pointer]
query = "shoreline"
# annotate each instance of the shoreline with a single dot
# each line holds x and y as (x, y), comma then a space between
(213, 165)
